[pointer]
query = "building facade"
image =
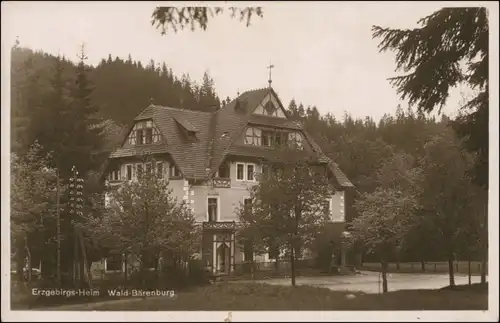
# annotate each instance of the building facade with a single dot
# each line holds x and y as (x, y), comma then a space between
(212, 159)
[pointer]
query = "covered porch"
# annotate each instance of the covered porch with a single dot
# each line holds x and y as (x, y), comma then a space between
(218, 247)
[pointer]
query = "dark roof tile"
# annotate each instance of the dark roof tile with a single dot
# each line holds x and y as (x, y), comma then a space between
(274, 122)
(216, 133)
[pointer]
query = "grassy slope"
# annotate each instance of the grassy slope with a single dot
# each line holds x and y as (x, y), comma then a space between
(268, 297)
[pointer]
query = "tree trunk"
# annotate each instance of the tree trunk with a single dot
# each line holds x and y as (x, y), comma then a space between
(422, 265)
(28, 253)
(20, 259)
(292, 263)
(125, 270)
(484, 265)
(484, 245)
(143, 270)
(384, 276)
(159, 269)
(469, 270)
(451, 269)
(186, 266)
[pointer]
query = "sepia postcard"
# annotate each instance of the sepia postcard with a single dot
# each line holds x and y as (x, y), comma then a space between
(249, 161)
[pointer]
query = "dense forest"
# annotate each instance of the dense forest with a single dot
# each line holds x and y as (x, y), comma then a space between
(121, 88)
(55, 102)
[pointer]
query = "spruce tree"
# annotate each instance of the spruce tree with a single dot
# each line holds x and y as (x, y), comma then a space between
(86, 130)
(431, 57)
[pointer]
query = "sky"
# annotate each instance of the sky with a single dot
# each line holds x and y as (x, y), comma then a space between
(323, 52)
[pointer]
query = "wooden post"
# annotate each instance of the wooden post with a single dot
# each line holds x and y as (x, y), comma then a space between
(58, 233)
(484, 244)
(28, 253)
(470, 272)
(86, 271)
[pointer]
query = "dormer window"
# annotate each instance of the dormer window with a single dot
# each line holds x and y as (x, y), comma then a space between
(186, 127)
(191, 135)
(174, 172)
(144, 133)
(296, 139)
(271, 138)
(252, 136)
(148, 138)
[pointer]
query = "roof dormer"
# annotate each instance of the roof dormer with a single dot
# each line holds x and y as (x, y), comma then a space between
(186, 128)
(144, 132)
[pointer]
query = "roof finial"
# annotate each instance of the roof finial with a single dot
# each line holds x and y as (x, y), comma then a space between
(238, 93)
(270, 67)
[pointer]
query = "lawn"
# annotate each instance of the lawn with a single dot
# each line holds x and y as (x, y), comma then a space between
(255, 296)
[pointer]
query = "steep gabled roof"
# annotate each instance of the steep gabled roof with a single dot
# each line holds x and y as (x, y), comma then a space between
(231, 121)
(216, 133)
(187, 155)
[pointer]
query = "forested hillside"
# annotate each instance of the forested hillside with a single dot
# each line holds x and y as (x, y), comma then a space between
(121, 89)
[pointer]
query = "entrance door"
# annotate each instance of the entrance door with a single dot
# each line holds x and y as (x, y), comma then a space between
(223, 258)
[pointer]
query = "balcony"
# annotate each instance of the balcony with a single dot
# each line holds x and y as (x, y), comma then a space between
(220, 182)
(212, 225)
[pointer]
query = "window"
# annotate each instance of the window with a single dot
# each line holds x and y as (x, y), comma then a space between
(212, 209)
(247, 204)
(132, 138)
(277, 140)
(266, 138)
(326, 207)
(144, 133)
(139, 170)
(296, 139)
(113, 263)
(240, 172)
(250, 172)
(156, 135)
(149, 168)
(174, 171)
(191, 135)
(245, 172)
(114, 175)
(148, 136)
(139, 137)
(280, 138)
(224, 171)
(274, 138)
(159, 169)
(129, 172)
(252, 136)
(265, 170)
